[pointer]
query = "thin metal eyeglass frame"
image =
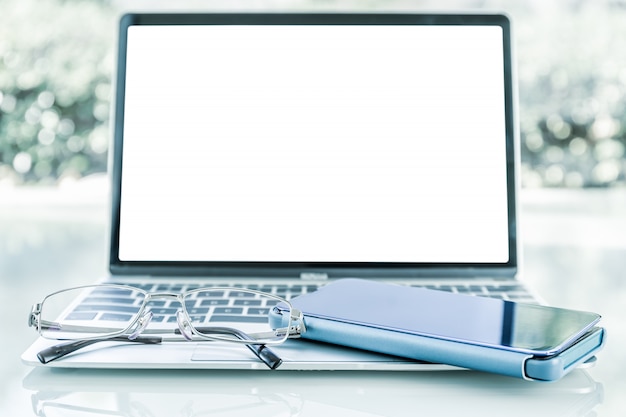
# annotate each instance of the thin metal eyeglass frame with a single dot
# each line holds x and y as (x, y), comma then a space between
(294, 328)
(142, 318)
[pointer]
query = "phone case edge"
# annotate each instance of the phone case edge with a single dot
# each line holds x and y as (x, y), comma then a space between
(515, 364)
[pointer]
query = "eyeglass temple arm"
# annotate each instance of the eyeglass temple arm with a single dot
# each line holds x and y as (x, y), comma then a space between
(58, 351)
(265, 354)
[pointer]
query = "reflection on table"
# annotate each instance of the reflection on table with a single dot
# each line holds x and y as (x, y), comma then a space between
(188, 393)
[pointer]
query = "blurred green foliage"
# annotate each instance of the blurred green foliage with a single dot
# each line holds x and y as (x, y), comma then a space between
(55, 87)
(572, 93)
(57, 58)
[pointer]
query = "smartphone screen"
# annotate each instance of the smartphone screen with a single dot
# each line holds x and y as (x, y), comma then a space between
(527, 328)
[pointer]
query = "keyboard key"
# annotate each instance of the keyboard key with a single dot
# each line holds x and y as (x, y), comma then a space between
(210, 294)
(254, 302)
(113, 308)
(215, 302)
(110, 300)
(116, 317)
(496, 295)
(259, 311)
(506, 288)
(158, 303)
(164, 311)
(198, 311)
(228, 310)
(241, 294)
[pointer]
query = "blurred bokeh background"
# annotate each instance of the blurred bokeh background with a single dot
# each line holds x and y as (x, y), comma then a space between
(57, 60)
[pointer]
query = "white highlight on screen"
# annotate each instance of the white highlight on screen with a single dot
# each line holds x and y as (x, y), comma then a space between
(314, 144)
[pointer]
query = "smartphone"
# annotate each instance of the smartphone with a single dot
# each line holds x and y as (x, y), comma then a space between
(530, 341)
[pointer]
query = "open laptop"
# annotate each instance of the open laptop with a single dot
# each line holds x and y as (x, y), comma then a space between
(280, 152)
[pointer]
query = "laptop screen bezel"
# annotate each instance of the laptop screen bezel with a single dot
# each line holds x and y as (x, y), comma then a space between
(295, 269)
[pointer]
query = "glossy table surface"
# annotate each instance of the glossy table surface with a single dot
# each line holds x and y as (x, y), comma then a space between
(574, 256)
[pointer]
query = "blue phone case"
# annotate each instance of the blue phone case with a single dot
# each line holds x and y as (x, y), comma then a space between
(384, 335)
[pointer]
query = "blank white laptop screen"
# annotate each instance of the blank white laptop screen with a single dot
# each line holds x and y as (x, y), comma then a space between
(320, 143)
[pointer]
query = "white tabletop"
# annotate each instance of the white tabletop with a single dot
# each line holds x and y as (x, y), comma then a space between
(574, 256)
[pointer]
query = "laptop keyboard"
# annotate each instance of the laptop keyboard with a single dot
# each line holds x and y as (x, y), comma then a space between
(218, 306)
(511, 292)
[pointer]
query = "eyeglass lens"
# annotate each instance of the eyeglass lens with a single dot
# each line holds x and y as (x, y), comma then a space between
(104, 310)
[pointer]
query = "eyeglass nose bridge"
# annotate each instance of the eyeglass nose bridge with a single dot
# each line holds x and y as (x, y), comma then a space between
(184, 325)
(181, 318)
(145, 319)
(142, 323)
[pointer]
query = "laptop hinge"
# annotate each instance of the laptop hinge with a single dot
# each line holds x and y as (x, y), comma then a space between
(314, 276)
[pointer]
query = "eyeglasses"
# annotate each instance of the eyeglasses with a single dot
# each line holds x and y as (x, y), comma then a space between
(109, 312)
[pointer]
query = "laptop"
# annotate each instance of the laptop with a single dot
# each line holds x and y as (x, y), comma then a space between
(281, 152)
